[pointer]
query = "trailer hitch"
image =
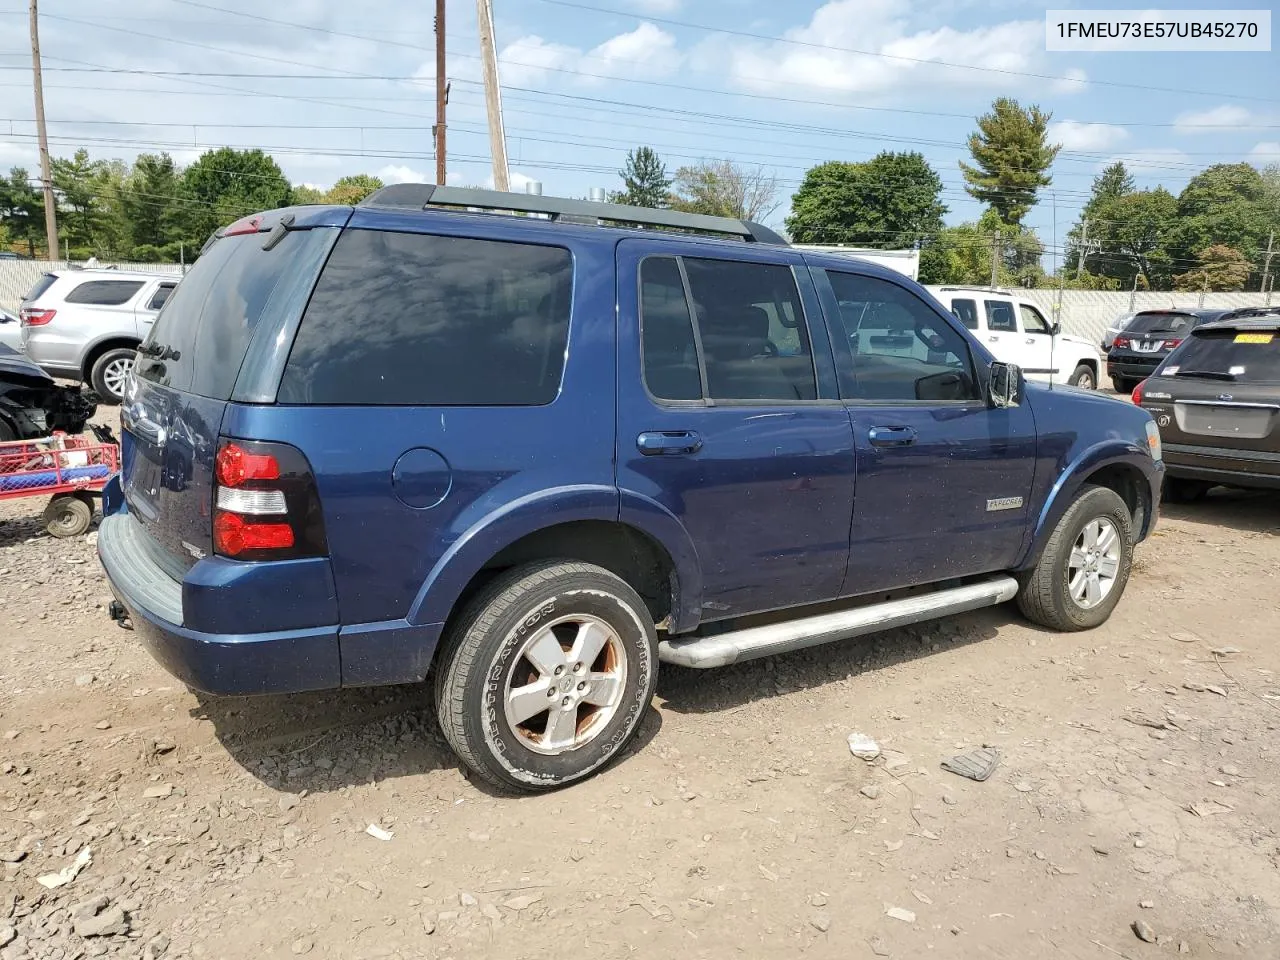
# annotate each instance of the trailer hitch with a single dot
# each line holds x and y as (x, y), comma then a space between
(116, 610)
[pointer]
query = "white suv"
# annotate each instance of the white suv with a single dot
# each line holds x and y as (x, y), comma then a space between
(1015, 331)
(87, 324)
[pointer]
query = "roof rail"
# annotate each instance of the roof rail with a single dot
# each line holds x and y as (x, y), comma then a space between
(419, 196)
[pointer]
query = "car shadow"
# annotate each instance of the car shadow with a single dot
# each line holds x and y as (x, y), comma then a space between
(1251, 511)
(324, 742)
(687, 690)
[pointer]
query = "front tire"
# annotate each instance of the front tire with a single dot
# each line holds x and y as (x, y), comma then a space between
(109, 373)
(546, 676)
(1084, 378)
(1085, 565)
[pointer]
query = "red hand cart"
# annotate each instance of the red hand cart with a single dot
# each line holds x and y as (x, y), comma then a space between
(72, 470)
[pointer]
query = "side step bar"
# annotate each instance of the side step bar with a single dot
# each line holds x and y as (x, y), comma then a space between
(726, 648)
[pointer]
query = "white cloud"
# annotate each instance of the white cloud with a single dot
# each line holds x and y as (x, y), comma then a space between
(656, 6)
(1073, 81)
(398, 173)
(647, 50)
(1205, 121)
(1074, 135)
(1265, 153)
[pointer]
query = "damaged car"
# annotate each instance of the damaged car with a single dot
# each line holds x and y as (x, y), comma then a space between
(34, 405)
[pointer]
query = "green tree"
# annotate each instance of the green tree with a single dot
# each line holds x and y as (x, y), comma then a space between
(22, 210)
(723, 189)
(303, 194)
(78, 181)
(892, 200)
(1221, 268)
(1113, 183)
(1225, 204)
(351, 190)
(1134, 231)
(151, 200)
(226, 184)
(1012, 157)
(645, 178)
(962, 254)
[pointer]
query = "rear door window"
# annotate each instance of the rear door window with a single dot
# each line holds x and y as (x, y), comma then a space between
(1238, 356)
(669, 350)
(421, 320)
(966, 312)
(1000, 318)
(105, 293)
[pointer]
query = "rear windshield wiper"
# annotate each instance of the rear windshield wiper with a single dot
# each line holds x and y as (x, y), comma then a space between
(1207, 374)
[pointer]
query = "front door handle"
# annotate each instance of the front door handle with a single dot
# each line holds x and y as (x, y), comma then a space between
(668, 443)
(892, 436)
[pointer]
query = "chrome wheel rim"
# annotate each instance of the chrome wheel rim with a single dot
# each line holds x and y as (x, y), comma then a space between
(565, 684)
(115, 373)
(1085, 382)
(1094, 563)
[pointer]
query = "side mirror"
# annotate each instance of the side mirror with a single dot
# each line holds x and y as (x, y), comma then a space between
(1005, 385)
(1055, 329)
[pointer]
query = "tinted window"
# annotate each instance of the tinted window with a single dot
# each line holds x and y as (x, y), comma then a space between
(1243, 356)
(160, 296)
(1000, 317)
(1177, 323)
(46, 281)
(1032, 320)
(404, 318)
(212, 314)
(670, 351)
(966, 312)
(751, 325)
(105, 293)
(902, 350)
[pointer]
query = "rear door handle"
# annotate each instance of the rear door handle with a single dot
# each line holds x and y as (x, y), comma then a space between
(993, 339)
(668, 443)
(1031, 341)
(892, 436)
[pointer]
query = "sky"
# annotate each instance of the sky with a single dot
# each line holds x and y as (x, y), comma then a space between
(329, 91)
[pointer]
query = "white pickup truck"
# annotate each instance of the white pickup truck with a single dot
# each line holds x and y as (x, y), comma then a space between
(1015, 331)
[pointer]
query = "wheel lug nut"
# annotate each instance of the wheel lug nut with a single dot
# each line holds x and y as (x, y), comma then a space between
(582, 686)
(559, 671)
(564, 702)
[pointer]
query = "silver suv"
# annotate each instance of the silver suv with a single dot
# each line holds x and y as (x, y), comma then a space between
(87, 324)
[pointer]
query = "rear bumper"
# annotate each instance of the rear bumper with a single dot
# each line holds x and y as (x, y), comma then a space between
(228, 664)
(1132, 368)
(1239, 468)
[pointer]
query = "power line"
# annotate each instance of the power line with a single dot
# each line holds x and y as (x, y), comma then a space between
(898, 57)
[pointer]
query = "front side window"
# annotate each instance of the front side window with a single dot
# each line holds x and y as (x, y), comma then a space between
(902, 350)
(751, 324)
(105, 293)
(1000, 317)
(966, 312)
(1032, 320)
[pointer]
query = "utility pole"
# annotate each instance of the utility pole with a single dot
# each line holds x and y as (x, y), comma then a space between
(1084, 245)
(493, 96)
(1266, 264)
(442, 94)
(46, 176)
(995, 259)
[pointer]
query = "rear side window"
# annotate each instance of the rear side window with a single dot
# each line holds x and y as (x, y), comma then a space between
(413, 319)
(1239, 356)
(46, 281)
(200, 339)
(966, 312)
(1000, 317)
(105, 293)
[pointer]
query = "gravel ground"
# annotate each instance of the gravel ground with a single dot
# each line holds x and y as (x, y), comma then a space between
(1134, 814)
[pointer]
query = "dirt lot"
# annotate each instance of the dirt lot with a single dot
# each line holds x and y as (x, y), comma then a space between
(1139, 785)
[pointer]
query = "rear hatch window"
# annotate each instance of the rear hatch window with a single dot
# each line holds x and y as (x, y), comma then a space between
(1174, 324)
(1240, 356)
(46, 281)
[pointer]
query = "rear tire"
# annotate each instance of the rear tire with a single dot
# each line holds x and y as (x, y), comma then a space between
(1183, 490)
(109, 373)
(1085, 565)
(7, 434)
(1123, 385)
(1084, 378)
(546, 675)
(67, 515)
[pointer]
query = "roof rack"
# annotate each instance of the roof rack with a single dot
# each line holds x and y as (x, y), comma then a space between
(420, 196)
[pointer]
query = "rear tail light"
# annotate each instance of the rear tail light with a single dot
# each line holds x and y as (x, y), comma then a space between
(36, 318)
(1172, 343)
(1122, 342)
(1138, 391)
(244, 225)
(266, 506)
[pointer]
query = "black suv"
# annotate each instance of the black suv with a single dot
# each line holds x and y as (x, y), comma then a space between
(1148, 339)
(1216, 400)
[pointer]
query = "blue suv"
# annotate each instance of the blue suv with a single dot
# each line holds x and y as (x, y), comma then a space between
(529, 448)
